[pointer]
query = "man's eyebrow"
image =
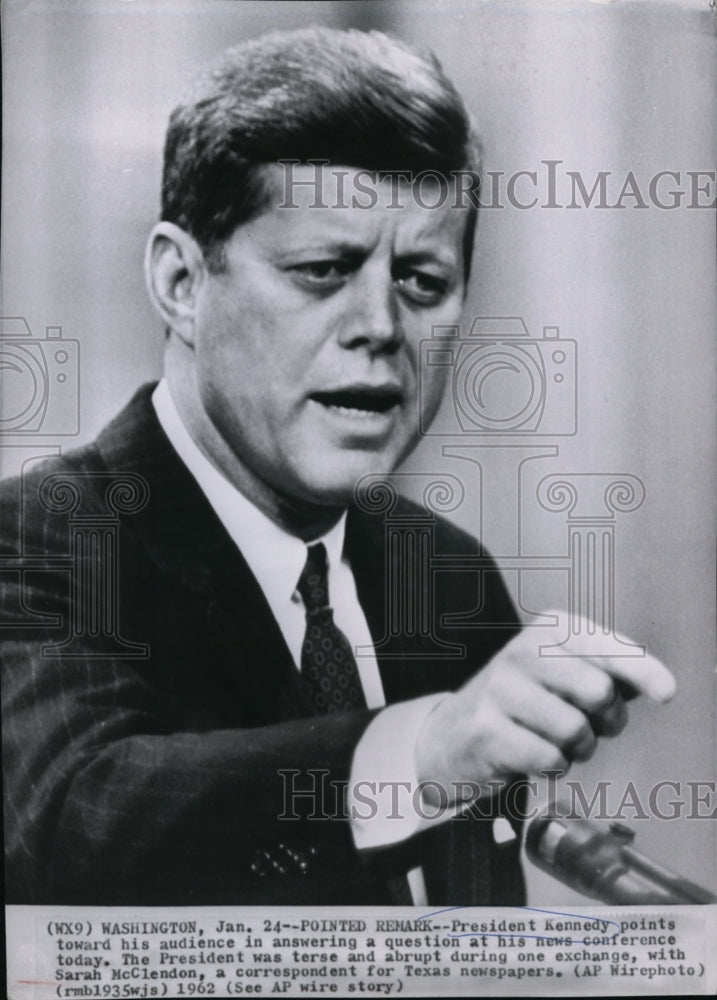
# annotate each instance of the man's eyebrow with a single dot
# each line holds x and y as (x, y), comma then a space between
(325, 246)
(445, 259)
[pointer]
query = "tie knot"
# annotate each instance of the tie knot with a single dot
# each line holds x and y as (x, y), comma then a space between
(313, 583)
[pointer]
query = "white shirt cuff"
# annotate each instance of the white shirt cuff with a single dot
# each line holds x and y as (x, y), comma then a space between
(385, 802)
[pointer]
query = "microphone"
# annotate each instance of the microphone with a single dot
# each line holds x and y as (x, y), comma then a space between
(603, 864)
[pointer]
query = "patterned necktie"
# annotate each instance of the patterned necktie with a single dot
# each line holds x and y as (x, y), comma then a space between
(329, 674)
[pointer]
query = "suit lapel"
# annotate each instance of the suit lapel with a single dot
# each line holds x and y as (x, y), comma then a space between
(191, 547)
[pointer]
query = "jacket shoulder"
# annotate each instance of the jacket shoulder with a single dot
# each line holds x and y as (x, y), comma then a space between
(77, 480)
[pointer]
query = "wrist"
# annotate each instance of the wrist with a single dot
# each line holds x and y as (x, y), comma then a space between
(432, 754)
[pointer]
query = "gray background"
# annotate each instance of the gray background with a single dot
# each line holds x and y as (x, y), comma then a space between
(87, 90)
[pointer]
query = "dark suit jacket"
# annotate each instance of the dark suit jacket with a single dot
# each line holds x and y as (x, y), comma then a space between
(154, 778)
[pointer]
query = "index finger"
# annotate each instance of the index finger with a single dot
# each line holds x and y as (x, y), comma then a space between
(635, 675)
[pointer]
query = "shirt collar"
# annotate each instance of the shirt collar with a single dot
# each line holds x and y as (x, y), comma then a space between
(275, 557)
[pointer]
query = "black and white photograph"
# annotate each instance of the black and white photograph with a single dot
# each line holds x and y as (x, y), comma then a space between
(357, 478)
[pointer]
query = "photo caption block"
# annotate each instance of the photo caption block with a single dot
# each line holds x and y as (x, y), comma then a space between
(102, 952)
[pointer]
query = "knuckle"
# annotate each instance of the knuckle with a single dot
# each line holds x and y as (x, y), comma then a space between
(500, 684)
(554, 760)
(486, 724)
(509, 663)
(601, 693)
(587, 751)
(579, 730)
(583, 748)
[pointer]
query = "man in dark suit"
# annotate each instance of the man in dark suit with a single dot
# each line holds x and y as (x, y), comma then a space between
(173, 689)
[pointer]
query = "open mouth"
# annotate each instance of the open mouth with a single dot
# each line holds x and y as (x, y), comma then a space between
(363, 401)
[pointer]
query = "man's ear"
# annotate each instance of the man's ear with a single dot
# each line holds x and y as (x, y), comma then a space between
(174, 269)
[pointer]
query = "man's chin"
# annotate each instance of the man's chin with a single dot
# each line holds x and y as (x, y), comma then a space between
(336, 485)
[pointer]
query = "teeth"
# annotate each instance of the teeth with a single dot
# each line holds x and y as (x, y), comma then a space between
(351, 411)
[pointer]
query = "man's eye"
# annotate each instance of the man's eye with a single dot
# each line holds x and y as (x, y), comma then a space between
(423, 288)
(320, 273)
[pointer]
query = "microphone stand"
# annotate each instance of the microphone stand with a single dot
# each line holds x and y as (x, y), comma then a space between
(603, 864)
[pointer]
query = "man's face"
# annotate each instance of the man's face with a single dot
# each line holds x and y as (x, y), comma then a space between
(307, 343)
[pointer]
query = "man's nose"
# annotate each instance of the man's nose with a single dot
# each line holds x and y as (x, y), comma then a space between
(371, 318)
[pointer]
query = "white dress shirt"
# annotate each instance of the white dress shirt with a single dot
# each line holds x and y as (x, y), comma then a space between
(385, 753)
